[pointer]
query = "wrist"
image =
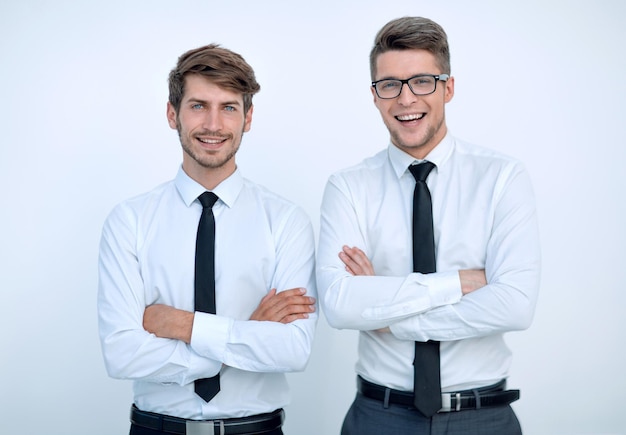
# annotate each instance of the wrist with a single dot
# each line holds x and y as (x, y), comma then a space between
(185, 327)
(472, 280)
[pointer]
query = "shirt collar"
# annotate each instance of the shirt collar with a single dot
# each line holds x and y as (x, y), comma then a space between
(400, 161)
(227, 190)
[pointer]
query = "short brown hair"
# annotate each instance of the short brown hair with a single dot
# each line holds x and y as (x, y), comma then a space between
(409, 33)
(222, 66)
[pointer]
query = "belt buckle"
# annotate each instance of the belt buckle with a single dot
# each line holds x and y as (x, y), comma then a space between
(203, 427)
(446, 402)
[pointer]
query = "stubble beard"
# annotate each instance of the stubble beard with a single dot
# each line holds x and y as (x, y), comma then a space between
(426, 141)
(209, 161)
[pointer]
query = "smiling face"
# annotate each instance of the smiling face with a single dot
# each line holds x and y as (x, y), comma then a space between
(210, 123)
(416, 123)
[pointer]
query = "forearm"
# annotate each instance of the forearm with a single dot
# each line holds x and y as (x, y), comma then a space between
(133, 353)
(374, 302)
(168, 322)
(369, 302)
(257, 346)
(471, 280)
(506, 303)
(512, 264)
(129, 351)
(495, 308)
(357, 263)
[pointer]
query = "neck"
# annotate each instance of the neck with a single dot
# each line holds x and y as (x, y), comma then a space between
(209, 178)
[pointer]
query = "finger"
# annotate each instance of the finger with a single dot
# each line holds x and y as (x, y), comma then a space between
(349, 253)
(352, 265)
(362, 260)
(294, 291)
(358, 256)
(294, 317)
(353, 251)
(268, 296)
(285, 303)
(295, 305)
(350, 271)
(274, 300)
(288, 318)
(287, 297)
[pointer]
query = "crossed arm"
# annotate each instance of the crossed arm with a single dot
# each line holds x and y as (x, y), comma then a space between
(285, 307)
(358, 264)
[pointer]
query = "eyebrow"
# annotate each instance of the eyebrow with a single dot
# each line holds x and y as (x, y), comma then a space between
(222, 103)
(408, 78)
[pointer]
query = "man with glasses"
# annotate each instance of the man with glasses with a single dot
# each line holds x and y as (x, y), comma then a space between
(430, 249)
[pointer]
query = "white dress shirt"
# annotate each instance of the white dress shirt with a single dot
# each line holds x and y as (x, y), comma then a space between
(484, 218)
(147, 256)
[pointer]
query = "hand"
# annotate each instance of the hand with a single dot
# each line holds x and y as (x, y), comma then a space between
(168, 322)
(284, 307)
(356, 261)
(472, 280)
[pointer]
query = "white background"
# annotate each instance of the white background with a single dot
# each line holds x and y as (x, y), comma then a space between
(82, 127)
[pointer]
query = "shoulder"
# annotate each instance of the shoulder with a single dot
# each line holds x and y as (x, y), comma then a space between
(484, 160)
(272, 204)
(487, 168)
(146, 203)
(470, 151)
(363, 171)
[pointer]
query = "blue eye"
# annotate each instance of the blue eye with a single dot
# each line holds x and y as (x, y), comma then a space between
(389, 85)
(229, 108)
(425, 82)
(197, 106)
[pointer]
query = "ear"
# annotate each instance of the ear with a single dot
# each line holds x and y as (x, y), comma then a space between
(449, 90)
(248, 120)
(377, 101)
(171, 116)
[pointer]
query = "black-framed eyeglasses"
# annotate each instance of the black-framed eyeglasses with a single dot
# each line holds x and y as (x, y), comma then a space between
(423, 84)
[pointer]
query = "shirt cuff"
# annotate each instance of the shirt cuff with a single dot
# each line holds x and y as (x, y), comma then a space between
(209, 335)
(408, 329)
(419, 293)
(444, 288)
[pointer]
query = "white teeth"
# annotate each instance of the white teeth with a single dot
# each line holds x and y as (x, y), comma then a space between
(211, 141)
(410, 117)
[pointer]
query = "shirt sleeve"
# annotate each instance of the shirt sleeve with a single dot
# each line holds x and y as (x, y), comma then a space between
(512, 266)
(368, 302)
(266, 346)
(129, 351)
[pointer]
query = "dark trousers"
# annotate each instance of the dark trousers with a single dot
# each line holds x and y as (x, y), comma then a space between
(138, 430)
(369, 417)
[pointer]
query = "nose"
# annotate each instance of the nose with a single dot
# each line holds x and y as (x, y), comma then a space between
(406, 96)
(212, 120)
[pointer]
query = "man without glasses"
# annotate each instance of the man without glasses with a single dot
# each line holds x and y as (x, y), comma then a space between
(189, 272)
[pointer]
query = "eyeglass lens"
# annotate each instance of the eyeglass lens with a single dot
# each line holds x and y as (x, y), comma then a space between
(420, 85)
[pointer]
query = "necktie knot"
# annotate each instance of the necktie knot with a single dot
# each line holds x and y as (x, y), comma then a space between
(208, 199)
(421, 170)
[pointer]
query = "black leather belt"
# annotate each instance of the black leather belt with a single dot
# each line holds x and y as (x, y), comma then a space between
(494, 395)
(256, 424)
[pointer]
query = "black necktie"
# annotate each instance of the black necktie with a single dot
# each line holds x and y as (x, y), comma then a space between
(426, 382)
(204, 282)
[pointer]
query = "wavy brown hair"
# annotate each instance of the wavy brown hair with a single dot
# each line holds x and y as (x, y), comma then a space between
(223, 67)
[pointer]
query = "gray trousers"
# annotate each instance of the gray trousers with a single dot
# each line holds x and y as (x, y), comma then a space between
(369, 417)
